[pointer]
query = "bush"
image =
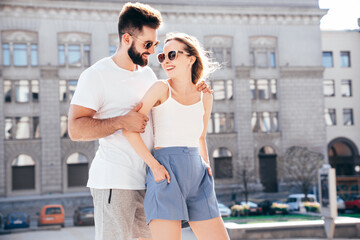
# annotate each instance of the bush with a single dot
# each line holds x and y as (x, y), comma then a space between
(240, 210)
(312, 207)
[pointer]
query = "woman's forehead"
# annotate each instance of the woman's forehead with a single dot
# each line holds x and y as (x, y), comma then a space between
(173, 45)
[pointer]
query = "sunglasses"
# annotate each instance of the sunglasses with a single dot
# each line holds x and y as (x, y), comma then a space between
(147, 44)
(171, 55)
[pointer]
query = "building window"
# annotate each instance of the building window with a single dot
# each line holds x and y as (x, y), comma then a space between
(263, 51)
(20, 48)
(223, 89)
(265, 122)
(74, 55)
(329, 88)
(22, 128)
(23, 173)
(220, 48)
(327, 59)
(67, 89)
(22, 91)
(345, 59)
(221, 123)
(64, 126)
(330, 116)
(74, 49)
(348, 117)
(263, 89)
(112, 50)
(6, 54)
(346, 89)
(222, 55)
(77, 170)
(223, 163)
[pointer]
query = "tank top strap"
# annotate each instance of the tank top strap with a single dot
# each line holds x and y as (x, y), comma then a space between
(167, 81)
(201, 95)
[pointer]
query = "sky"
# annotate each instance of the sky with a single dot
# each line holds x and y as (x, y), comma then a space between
(342, 14)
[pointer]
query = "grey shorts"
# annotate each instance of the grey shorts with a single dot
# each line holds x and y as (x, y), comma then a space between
(119, 214)
(189, 196)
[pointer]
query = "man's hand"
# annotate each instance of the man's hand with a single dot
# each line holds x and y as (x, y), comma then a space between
(134, 121)
(201, 86)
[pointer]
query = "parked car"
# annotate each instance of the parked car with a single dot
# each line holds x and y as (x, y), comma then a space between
(296, 202)
(254, 208)
(17, 220)
(224, 210)
(273, 207)
(1, 220)
(353, 203)
(340, 204)
(84, 216)
(52, 215)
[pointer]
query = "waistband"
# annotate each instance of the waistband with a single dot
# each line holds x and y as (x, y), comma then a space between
(176, 150)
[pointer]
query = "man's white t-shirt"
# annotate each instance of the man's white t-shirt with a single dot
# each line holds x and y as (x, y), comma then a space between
(112, 91)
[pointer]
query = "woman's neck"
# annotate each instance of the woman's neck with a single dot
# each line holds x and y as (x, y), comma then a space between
(182, 86)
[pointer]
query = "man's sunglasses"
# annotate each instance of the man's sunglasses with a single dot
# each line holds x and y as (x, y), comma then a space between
(147, 44)
(171, 55)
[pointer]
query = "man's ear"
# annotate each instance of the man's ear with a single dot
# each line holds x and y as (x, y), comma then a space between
(126, 39)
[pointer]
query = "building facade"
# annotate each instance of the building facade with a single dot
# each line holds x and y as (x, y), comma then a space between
(341, 60)
(268, 94)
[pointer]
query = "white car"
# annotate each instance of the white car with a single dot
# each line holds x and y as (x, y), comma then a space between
(296, 201)
(224, 210)
(340, 204)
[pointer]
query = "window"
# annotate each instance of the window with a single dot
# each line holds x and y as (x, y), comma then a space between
(67, 89)
(327, 59)
(23, 173)
(263, 89)
(263, 51)
(222, 55)
(348, 117)
(220, 48)
(330, 116)
(345, 59)
(221, 123)
(223, 163)
(22, 91)
(77, 170)
(112, 50)
(223, 89)
(265, 122)
(6, 54)
(20, 48)
(329, 88)
(74, 49)
(22, 128)
(346, 89)
(64, 126)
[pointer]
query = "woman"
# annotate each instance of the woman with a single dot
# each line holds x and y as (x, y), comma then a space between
(179, 182)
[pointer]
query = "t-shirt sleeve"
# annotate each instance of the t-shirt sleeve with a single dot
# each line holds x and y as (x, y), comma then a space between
(88, 91)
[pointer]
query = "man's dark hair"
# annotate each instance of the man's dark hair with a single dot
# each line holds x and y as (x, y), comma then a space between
(134, 16)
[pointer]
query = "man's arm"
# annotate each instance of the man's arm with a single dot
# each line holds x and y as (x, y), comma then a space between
(83, 126)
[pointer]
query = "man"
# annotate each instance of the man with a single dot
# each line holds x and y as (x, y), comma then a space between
(105, 102)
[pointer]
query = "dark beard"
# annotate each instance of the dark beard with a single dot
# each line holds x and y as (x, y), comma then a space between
(136, 57)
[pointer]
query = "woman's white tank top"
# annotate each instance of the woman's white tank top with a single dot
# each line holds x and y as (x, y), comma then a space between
(178, 125)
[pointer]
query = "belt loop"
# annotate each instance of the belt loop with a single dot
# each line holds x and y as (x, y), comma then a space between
(109, 200)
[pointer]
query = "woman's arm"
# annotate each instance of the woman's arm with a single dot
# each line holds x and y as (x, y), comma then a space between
(155, 95)
(208, 102)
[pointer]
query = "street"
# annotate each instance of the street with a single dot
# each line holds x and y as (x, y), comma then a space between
(71, 233)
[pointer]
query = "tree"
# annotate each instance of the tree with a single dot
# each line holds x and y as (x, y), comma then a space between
(301, 167)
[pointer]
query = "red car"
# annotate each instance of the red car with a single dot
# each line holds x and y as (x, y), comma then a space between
(353, 203)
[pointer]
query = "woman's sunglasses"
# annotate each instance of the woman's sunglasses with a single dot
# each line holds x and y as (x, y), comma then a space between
(171, 55)
(147, 44)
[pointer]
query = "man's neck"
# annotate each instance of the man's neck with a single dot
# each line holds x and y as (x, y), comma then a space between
(122, 60)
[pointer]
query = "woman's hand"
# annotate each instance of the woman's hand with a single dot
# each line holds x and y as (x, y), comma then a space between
(160, 173)
(209, 168)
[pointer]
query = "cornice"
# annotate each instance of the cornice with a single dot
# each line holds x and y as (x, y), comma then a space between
(188, 14)
(301, 72)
